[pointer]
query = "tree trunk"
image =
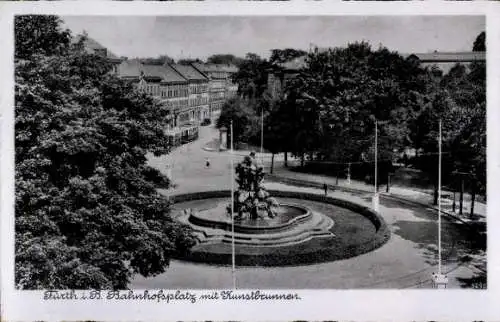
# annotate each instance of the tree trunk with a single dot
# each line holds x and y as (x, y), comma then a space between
(461, 197)
(473, 199)
(436, 192)
(302, 159)
(311, 156)
(272, 163)
(286, 159)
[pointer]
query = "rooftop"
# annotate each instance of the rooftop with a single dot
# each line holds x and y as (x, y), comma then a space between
(188, 72)
(449, 56)
(295, 64)
(134, 69)
(228, 68)
(93, 47)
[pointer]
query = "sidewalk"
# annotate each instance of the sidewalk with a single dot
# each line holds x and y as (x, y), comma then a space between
(422, 198)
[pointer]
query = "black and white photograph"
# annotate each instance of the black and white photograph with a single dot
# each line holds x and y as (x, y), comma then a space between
(247, 152)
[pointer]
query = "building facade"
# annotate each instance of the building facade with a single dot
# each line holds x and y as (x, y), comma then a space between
(221, 85)
(277, 78)
(198, 94)
(163, 83)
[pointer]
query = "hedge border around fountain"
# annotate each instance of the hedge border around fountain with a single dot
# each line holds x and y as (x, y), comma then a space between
(315, 256)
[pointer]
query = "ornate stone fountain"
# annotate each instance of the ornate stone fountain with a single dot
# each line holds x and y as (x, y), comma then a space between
(258, 224)
(251, 200)
(258, 218)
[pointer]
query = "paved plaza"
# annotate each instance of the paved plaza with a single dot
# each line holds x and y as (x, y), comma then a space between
(407, 260)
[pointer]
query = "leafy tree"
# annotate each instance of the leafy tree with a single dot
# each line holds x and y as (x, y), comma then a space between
(284, 55)
(189, 61)
(480, 42)
(252, 76)
(279, 127)
(342, 92)
(160, 60)
(87, 211)
(40, 34)
(241, 114)
(459, 100)
(224, 59)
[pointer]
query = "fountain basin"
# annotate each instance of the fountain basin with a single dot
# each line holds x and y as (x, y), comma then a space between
(295, 224)
(337, 229)
(216, 218)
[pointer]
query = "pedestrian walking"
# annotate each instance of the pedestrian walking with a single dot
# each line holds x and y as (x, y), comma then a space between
(325, 187)
(207, 162)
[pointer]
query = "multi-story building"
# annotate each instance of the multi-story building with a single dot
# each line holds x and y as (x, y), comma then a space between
(198, 103)
(164, 83)
(278, 78)
(231, 86)
(221, 85)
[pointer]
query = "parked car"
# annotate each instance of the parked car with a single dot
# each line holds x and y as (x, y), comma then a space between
(206, 122)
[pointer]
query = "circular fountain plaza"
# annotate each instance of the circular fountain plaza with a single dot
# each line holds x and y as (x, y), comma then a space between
(308, 229)
(276, 228)
(317, 242)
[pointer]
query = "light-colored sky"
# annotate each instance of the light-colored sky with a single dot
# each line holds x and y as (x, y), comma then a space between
(200, 37)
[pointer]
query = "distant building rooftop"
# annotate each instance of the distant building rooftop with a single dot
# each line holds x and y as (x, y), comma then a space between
(135, 69)
(188, 72)
(93, 47)
(449, 57)
(295, 64)
(228, 68)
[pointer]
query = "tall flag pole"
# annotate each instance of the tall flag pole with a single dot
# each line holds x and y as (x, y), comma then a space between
(439, 200)
(232, 212)
(439, 280)
(262, 136)
(376, 159)
(375, 200)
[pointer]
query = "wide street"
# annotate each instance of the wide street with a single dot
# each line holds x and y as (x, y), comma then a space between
(407, 260)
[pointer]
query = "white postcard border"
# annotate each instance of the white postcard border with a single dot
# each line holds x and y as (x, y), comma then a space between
(315, 304)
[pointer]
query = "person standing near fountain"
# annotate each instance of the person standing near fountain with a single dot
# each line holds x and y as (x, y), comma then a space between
(325, 187)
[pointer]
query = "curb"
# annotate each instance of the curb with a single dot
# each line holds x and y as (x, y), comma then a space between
(451, 215)
(210, 149)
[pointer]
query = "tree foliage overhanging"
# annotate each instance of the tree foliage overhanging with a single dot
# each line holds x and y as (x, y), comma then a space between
(87, 211)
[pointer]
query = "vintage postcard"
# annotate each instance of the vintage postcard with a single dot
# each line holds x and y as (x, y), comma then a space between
(254, 162)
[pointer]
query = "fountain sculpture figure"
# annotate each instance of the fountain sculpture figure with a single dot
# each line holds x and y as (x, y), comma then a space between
(251, 200)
